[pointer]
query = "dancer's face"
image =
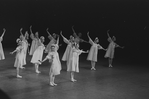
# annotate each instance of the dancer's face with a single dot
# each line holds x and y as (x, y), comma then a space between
(54, 35)
(52, 48)
(79, 34)
(96, 40)
(36, 34)
(42, 40)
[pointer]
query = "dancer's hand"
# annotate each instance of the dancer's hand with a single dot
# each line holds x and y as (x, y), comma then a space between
(11, 52)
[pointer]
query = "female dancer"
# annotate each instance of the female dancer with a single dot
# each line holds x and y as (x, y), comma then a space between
(1, 47)
(52, 41)
(77, 37)
(68, 50)
(24, 44)
(73, 64)
(37, 55)
(92, 56)
(110, 50)
(53, 57)
(35, 41)
(19, 57)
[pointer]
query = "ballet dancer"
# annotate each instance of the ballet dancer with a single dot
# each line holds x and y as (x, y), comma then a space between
(77, 37)
(35, 41)
(2, 56)
(111, 48)
(52, 41)
(38, 54)
(53, 58)
(73, 63)
(92, 56)
(68, 50)
(19, 57)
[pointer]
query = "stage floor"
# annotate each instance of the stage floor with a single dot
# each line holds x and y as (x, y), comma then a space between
(123, 81)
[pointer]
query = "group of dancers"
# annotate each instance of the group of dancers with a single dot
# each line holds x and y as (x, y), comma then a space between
(71, 54)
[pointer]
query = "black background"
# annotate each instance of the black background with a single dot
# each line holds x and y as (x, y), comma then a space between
(127, 20)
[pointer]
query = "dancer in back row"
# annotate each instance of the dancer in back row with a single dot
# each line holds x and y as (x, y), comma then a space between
(37, 55)
(2, 56)
(52, 41)
(92, 56)
(35, 41)
(111, 48)
(68, 50)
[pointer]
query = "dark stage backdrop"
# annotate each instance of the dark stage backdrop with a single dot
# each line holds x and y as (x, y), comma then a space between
(128, 20)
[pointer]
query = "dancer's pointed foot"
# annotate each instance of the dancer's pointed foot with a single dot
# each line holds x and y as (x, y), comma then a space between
(18, 76)
(73, 80)
(110, 66)
(51, 84)
(22, 67)
(54, 84)
(38, 72)
(93, 68)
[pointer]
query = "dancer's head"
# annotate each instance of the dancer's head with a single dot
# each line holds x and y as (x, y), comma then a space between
(79, 34)
(71, 38)
(53, 47)
(96, 40)
(54, 35)
(19, 41)
(36, 35)
(42, 39)
(114, 38)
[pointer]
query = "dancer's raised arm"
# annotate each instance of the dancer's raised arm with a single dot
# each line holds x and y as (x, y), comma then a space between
(31, 29)
(64, 38)
(74, 33)
(48, 32)
(4, 30)
(21, 31)
(90, 40)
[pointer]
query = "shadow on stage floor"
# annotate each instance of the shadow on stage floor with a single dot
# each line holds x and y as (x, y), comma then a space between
(123, 81)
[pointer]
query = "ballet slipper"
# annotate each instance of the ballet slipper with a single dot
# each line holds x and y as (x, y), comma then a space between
(54, 84)
(18, 76)
(51, 84)
(73, 80)
(22, 67)
(38, 72)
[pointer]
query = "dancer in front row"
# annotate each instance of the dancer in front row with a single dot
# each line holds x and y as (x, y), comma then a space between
(19, 57)
(111, 48)
(37, 55)
(53, 58)
(73, 63)
(92, 56)
(2, 56)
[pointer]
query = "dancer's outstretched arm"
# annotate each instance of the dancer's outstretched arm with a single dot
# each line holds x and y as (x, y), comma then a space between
(64, 38)
(90, 40)
(4, 30)
(74, 33)
(49, 32)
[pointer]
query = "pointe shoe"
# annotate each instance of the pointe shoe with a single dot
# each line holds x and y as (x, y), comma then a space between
(93, 68)
(73, 80)
(18, 76)
(51, 84)
(38, 72)
(110, 66)
(54, 84)
(22, 67)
